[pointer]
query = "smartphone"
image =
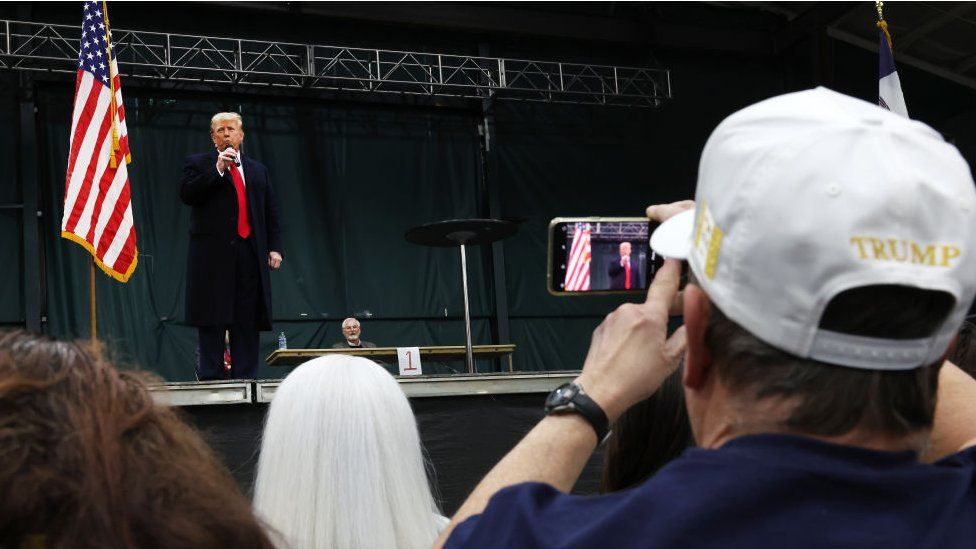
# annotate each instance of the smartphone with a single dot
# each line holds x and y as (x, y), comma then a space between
(600, 255)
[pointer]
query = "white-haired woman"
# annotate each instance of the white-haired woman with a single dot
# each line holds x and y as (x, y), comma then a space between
(341, 463)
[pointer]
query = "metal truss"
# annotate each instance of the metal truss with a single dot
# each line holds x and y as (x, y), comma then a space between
(616, 230)
(207, 59)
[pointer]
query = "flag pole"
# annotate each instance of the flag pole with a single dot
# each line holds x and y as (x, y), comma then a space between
(883, 25)
(111, 86)
(93, 317)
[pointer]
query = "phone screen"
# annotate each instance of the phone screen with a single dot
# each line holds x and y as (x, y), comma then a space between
(600, 255)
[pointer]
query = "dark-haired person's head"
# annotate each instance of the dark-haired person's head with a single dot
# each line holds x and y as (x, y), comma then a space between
(964, 352)
(825, 295)
(646, 437)
(87, 459)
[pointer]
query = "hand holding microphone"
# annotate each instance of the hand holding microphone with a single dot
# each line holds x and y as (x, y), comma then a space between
(237, 155)
(227, 157)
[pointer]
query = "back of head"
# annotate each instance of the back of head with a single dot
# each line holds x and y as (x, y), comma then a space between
(341, 462)
(964, 352)
(835, 241)
(828, 399)
(87, 459)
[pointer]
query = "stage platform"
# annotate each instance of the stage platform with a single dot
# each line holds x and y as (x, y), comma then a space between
(466, 422)
(207, 393)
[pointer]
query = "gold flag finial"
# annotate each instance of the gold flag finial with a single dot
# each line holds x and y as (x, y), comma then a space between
(113, 163)
(882, 24)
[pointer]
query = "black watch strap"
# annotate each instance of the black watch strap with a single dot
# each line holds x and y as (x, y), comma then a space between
(570, 398)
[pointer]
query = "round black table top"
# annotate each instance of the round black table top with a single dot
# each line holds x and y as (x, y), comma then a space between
(454, 232)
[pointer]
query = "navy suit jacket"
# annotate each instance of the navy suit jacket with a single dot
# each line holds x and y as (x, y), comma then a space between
(618, 274)
(210, 261)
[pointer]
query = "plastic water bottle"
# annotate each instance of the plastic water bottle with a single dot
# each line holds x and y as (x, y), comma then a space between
(282, 342)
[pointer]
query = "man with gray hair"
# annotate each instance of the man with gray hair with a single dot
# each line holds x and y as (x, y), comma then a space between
(235, 242)
(351, 331)
(832, 247)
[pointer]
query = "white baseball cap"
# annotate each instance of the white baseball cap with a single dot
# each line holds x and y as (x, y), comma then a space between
(808, 194)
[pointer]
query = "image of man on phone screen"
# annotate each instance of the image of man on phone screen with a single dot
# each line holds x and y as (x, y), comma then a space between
(623, 274)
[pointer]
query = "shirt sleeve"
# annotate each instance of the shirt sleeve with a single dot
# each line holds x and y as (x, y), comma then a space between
(461, 534)
(535, 515)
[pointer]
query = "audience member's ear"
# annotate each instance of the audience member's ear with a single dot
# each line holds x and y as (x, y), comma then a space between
(698, 361)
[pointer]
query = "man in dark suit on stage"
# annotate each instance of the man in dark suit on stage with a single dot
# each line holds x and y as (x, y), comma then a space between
(623, 275)
(234, 244)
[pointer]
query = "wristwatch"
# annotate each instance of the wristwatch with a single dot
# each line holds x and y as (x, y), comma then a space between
(570, 398)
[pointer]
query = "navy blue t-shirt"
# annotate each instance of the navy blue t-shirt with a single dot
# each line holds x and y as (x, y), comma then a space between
(755, 491)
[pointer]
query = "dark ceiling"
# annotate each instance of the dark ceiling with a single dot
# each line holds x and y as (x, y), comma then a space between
(934, 37)
(939, 38)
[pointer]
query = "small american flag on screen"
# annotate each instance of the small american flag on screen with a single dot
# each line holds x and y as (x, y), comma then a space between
(97, 205)
(578, 266)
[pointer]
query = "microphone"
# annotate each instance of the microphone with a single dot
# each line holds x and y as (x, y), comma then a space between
(237, 157)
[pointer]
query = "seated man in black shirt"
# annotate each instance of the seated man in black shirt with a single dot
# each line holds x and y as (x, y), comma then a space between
(351, 330)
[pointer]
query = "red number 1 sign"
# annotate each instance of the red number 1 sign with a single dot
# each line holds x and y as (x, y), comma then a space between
(409, 359)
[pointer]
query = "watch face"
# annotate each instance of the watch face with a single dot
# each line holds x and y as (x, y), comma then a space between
(561, 396)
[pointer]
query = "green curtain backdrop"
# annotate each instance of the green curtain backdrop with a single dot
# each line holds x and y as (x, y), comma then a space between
(11, 300)
(564, 160)
(350, 182)
(352, 178)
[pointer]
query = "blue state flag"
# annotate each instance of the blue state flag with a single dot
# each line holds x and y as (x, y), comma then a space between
(889, 86)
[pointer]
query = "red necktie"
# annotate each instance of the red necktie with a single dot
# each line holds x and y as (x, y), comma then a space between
(627, 275)
(243, 226)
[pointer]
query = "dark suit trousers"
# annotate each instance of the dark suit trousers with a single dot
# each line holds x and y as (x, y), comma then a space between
(244, 331)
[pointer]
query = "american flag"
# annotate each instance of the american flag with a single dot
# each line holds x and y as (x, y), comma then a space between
(578, 267)
(889, 85)
(97, 205)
